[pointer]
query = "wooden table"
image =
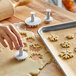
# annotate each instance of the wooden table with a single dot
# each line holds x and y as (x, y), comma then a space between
(60, 15)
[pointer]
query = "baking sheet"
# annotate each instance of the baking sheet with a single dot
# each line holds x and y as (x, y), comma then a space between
(65, 68)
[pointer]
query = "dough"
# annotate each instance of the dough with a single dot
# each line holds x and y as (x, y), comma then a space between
(74, 49)
(70, 36)
(66, 54)
(53, 38)
(65, 44)
(36, 60)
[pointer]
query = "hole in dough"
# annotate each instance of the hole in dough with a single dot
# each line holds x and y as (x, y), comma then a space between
(36, 56)
(30, 39)
(35, 47)
(23, 34)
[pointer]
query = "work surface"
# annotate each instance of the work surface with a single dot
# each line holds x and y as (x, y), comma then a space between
(60, 15)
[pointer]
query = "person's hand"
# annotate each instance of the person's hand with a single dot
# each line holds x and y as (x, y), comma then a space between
(10, 36)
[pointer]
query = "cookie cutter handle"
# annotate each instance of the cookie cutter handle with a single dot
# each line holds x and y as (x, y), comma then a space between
(48, 13)
(21, 51)
(32, 16)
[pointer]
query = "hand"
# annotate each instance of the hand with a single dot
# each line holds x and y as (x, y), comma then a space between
(8, 34)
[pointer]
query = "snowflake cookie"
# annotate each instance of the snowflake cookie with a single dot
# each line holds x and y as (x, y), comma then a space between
(70, 36)
(75, 50)
(53, 38)
(66, 54)
(65, 44)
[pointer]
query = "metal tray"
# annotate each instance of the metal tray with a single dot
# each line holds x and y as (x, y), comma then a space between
(56, 27)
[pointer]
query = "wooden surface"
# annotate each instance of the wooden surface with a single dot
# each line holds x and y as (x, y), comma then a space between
(60, 15)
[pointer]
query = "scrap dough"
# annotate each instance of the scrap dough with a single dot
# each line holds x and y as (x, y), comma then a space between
(36, 60)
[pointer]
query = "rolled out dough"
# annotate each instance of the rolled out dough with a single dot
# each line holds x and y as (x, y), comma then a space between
(36, 60)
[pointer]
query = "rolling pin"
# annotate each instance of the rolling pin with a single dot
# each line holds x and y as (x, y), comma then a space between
(6, 9)
(21, 2)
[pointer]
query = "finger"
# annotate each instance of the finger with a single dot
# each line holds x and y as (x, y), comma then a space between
(5, 36)
(3, 42)
(13, 37)
(17, 35)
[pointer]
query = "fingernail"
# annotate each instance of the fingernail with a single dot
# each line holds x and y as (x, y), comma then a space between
(18, 48)
(21, 45)
(11, 48)
(5, 45)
